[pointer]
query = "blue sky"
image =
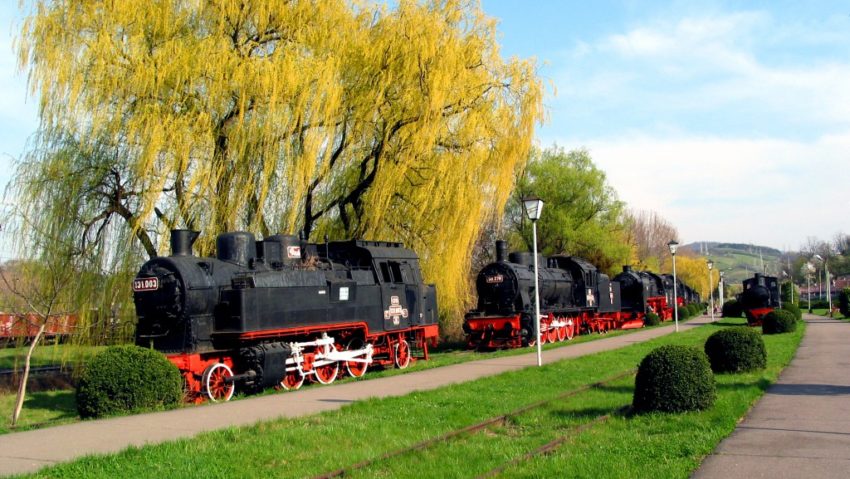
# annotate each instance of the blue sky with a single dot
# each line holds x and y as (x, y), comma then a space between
(730, 119)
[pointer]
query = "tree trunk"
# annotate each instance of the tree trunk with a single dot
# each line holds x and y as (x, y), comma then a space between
(22, 388)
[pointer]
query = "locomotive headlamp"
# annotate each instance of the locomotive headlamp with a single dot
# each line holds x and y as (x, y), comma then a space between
(533, 207)
(673, 245)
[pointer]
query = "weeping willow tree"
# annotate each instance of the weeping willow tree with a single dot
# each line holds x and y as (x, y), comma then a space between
(323, 117)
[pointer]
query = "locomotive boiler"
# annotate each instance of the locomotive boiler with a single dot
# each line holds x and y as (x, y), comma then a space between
(278, 311)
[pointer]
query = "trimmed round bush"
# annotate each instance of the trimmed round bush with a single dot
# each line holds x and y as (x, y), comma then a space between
(694, 309)
(732, 309)
(735, 350)
(779, 321)
(123, 379)
(674, 378)
(793, 309)
(651, 319)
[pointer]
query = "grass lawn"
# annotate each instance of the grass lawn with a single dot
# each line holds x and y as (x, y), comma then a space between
(40, 409)
(655, 445)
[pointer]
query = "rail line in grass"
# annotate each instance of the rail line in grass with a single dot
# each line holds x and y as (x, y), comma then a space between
(492, 421)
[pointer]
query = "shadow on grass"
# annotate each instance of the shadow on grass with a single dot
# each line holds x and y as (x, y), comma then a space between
(762, 384)
(62, 402)
(587, 413)
(623, 389)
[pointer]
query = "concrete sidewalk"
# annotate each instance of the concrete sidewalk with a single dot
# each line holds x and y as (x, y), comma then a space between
(31, 450)
(801, 426)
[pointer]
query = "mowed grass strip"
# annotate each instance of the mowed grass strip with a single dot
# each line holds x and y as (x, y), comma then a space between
(656, 445)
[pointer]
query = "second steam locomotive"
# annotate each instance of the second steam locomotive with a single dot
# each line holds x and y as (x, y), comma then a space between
(575, 297)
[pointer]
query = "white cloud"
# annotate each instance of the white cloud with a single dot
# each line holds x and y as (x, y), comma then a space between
(773, 192)
(735, 65)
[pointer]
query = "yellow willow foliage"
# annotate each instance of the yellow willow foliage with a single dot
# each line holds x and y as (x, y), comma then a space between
(693, 271)
(330, 117)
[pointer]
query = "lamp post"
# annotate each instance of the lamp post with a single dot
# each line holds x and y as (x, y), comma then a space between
(828, 292)
(809, 269)
(673, 245)
(533, 208)
(710, 289)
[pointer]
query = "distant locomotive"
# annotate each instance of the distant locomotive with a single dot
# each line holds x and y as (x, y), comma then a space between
(274, 312)
(574, 298)
(760, 296)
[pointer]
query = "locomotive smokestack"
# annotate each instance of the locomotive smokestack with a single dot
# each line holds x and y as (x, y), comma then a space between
(182, 241)
(627, 269)
(501, 250)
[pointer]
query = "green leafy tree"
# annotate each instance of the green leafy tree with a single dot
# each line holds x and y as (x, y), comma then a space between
(582, 215)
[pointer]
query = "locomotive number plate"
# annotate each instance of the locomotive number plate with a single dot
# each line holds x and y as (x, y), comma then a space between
(495, 279)
(146, 284)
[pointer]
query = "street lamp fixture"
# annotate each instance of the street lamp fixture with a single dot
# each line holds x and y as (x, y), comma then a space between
(673, 245)
(710, 289)
(533, 208)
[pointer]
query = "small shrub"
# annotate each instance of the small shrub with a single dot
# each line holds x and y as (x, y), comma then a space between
(674, 378)
(779, 321)
(732, 309)
(844, 302)
(694, 309)
(123, 379)
(651, 319)
(793, 309)
(735, 350)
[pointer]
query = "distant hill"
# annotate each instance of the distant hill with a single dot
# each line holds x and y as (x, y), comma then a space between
(739, 261)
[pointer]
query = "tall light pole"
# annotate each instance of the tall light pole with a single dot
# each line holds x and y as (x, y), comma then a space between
(710, 289)
(533, 208)
(721, 289)
(828, 292)
(673, 245)
(809, 269)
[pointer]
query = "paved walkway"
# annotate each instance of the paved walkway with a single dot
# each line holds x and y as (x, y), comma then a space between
(801, 426)
(31, 450)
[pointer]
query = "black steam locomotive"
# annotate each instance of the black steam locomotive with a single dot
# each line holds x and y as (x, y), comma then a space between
(277, 311)
(574, 298)
(760, 296)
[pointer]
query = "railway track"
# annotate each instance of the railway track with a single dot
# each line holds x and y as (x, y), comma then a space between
(33, 371)
(490, 422)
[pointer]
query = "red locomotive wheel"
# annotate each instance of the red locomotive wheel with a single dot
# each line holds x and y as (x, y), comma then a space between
(402, 354)
(570, 331)
(552, 335)
(214, 382)
(354, 368)
(562, 333)
(327, 374)
(292, 381)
